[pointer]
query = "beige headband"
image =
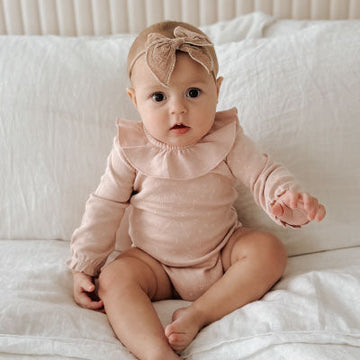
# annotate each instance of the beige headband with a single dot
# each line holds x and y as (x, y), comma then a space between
(160, 52)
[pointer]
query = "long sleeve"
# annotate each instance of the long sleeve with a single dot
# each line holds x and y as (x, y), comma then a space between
(266, 179)
(94, 240)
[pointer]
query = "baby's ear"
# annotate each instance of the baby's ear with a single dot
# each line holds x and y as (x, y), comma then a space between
(132, 95)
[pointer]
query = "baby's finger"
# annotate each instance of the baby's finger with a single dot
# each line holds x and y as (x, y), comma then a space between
(82, 299)
(83, 282)
(294, 198)
(87, 285)
(311, 205)
(321, 213)
(96, 305)
(290, 198)
(85, 301)
(277, 209)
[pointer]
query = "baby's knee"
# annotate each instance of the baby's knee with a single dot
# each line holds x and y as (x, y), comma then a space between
(264, 249)
(127, 274)
(271, 252)
(115, 276)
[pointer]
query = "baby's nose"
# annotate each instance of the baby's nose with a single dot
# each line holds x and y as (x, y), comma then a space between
(177, 106)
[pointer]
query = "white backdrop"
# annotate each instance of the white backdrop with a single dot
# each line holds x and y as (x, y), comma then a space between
(101, 17)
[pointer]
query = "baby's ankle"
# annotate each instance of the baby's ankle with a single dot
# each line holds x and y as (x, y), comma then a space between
(200, 316)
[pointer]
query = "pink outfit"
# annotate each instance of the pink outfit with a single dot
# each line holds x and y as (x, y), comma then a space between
(182, 200)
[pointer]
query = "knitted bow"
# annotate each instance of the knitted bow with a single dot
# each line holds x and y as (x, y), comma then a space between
(160, 52)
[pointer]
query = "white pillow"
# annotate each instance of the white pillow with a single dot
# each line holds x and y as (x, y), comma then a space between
(249, 26)
(286, 27)
(298, 97)
(60, 98)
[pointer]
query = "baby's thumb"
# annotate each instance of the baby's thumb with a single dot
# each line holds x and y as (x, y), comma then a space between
(87, 285)
(277, 209)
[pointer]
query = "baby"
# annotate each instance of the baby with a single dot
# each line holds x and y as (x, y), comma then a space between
(177, 168)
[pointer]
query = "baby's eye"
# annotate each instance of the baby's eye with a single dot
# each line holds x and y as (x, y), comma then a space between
(158, 97)
(193, 92)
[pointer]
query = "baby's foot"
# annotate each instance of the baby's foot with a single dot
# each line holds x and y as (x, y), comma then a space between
(183, 329)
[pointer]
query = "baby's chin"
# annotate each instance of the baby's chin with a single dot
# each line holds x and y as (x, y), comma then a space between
(183, 141)
(181, 138)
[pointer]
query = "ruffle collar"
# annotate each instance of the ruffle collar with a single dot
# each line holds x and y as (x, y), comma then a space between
(156, 159)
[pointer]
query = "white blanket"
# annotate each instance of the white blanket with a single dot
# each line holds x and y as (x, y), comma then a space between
(311, 312)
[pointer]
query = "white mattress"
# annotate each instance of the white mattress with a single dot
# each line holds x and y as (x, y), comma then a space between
(312, 313)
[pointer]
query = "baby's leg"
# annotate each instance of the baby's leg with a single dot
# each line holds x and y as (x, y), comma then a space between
(253, 261)
(127, 286)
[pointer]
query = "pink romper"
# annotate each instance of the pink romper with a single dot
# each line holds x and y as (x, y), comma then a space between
(181, 198)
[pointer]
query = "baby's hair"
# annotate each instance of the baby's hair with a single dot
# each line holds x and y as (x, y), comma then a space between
(165, 28)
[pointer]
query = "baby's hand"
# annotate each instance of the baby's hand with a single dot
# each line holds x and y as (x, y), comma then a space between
(83, 287)
(303, 203)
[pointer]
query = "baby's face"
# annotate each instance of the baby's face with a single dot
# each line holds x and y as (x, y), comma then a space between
(182, 113)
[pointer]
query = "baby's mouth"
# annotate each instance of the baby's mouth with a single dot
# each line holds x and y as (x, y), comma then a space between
(180, 128)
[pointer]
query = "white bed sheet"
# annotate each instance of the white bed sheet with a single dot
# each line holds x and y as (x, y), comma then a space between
(312, 313)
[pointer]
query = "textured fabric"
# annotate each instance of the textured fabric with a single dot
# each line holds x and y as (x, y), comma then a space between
(180, 221)
(154, 158)
(192, 281)
(102, 18)
(160, 52)
(311, 313)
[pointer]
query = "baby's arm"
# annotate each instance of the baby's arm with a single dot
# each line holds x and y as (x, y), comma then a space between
(274, 188)
(94, 240)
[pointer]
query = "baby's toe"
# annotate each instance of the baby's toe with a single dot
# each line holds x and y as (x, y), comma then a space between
(177, 342)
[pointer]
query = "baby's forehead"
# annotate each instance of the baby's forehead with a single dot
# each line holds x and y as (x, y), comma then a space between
(186, 70)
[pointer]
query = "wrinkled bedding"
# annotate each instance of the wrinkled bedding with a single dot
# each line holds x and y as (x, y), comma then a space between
(309, 314)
